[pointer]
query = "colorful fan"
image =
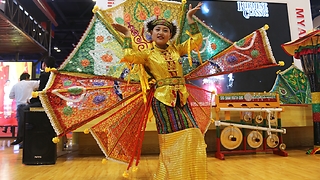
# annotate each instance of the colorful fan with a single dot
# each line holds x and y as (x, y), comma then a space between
(133, 13)
(213, 43)
(72, 100)
(293, 86)
(251, 52)
(97, 53)
(201, 102)
(120, 135)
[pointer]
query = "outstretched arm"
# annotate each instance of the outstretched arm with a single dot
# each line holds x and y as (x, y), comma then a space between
(122, 29)
(130, 55)
(192, 11)
(195, 40)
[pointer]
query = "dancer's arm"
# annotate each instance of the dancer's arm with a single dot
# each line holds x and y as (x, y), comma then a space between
(130, 55)
(196, 36)
(192, 11)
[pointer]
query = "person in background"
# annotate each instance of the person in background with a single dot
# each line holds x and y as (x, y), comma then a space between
(21, 92)
(48, 62)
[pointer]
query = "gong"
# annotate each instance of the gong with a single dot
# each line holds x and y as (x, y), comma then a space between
(231, 137)
(247, 116)
(254, 139)
(259, 119)
(273, 118)
(273, 141)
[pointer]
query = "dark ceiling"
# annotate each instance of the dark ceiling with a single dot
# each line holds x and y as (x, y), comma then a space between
(72, 18)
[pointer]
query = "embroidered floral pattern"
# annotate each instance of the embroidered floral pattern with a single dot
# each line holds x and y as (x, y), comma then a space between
(255, 53)
(157, 10)
(85, 62)
(67, 110)
(127, 18)
(106, 58)
(213, 46)
(99, 39)
(99, 99)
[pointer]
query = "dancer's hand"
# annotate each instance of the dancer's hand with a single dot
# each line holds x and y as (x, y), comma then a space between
(122, 29)
(192, 11)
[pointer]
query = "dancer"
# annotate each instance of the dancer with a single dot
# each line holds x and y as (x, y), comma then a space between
(182, 146)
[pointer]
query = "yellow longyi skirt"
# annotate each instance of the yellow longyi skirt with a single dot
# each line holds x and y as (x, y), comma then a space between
(182, 156)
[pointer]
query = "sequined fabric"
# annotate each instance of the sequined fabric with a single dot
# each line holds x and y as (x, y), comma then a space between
(97, 95)
(251, 52)
(182, 156)
(293, 86)
(162, 64)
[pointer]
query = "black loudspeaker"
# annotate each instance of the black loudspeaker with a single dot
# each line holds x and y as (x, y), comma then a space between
(38, 148)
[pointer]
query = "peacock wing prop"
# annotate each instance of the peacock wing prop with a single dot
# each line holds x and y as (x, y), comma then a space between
(72, 100)
(132, 14)
(293, 86)
(120, 135)
(251, 52)
(201, 102)
(97, 53)
(213, 43)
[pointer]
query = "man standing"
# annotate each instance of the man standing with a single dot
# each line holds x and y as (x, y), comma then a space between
(49, 62)
(21, 92)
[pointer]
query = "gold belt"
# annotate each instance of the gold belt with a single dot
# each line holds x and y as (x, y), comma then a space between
(171, 82)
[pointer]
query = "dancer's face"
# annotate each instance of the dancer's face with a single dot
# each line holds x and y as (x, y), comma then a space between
(161, 35)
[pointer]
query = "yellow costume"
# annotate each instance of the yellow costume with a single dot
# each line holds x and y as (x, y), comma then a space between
(182, 146)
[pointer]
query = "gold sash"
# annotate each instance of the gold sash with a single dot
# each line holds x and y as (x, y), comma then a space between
(171, 81)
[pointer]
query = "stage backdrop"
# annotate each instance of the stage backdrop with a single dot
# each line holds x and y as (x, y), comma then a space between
(234, 21)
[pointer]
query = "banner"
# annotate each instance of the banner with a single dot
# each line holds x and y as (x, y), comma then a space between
(9, 75)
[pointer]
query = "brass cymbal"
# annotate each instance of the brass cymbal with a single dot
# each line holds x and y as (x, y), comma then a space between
(254, 139)
(247, 116)
(259, 119)
(282, 146)
(231, 137)
(273, 118)
(273, 141)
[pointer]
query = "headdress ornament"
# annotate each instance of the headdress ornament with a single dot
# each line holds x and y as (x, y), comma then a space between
(153, 21)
